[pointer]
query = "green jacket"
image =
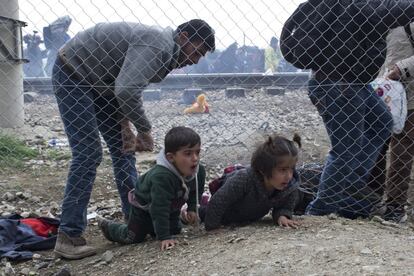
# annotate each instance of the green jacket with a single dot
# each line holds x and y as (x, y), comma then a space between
(161, 192)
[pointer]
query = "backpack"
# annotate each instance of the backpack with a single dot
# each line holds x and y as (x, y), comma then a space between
(216, 183)
(301, 39)
(331, 35)
(313, 37)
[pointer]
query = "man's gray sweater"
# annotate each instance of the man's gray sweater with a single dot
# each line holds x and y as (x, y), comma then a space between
(121, 59)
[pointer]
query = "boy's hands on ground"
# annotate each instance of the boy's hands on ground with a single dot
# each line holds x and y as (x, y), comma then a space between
(189, 217)
(168, 244)
(144, 142)
(288, 223)
(128, 137)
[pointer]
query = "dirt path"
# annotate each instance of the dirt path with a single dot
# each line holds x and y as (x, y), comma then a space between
(321, 246)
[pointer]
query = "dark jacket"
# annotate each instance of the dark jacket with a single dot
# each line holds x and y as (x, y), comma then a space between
(348, 37)
(243, 198)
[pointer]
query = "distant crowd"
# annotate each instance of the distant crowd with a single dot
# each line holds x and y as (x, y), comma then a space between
(41, 59)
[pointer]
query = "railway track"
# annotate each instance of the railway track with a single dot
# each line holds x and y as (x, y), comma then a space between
(204, 81)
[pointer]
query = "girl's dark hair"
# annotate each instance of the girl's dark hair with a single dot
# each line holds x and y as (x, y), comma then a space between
(268, 155)
(199, 30)
(179, 137)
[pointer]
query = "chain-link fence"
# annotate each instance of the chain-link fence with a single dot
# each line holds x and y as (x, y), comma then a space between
(92, 78)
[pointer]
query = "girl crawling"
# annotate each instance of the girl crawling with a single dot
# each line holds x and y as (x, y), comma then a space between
(270, 183)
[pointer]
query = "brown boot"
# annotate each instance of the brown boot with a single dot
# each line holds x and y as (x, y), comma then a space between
(72, 248)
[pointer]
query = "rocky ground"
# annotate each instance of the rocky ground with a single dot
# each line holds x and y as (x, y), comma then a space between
(231, 128)
(320, 246)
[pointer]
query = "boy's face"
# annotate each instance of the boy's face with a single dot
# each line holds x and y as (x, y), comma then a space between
(282, 174)
(185, 160)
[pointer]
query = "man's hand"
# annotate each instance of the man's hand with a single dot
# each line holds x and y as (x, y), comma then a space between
(168, 244)
(128, 137)
(288, 223)
(189, 217)
(144, 142)
(394, 74)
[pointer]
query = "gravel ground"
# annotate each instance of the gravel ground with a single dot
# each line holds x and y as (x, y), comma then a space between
(230, 130)
(321, 245)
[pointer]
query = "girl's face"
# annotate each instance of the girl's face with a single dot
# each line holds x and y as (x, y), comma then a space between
(281, 174)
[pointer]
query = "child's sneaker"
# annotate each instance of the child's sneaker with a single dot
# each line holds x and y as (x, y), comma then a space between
(395, 214)
(103, 224)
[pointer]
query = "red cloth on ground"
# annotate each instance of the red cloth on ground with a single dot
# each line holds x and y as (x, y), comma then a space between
(41, 227)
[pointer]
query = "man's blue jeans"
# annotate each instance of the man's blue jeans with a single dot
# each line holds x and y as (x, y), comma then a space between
(85, 115)
(358, 124)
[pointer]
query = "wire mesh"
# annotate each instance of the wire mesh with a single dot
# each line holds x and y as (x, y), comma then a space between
(101, 73)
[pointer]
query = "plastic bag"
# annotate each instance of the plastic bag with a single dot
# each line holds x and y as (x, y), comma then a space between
(394, 96)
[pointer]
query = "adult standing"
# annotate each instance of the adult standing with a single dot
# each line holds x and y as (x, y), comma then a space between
(55, 35)
(272, 55)
(345, 46)
(35, 55)
(399, 65)
(98, 79)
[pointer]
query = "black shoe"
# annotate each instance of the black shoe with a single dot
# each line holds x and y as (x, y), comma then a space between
(378, 209)
(395, 214)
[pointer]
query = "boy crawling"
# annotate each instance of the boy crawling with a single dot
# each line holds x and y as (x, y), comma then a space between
(162, 191)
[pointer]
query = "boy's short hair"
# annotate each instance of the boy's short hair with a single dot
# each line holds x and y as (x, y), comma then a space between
(269, 154)
(199, 30)
(179, 137)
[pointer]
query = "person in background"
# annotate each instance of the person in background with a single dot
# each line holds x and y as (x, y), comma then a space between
(272, 55)
(226, 62)
(394, 181)
(55, 35)
(34, 68)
